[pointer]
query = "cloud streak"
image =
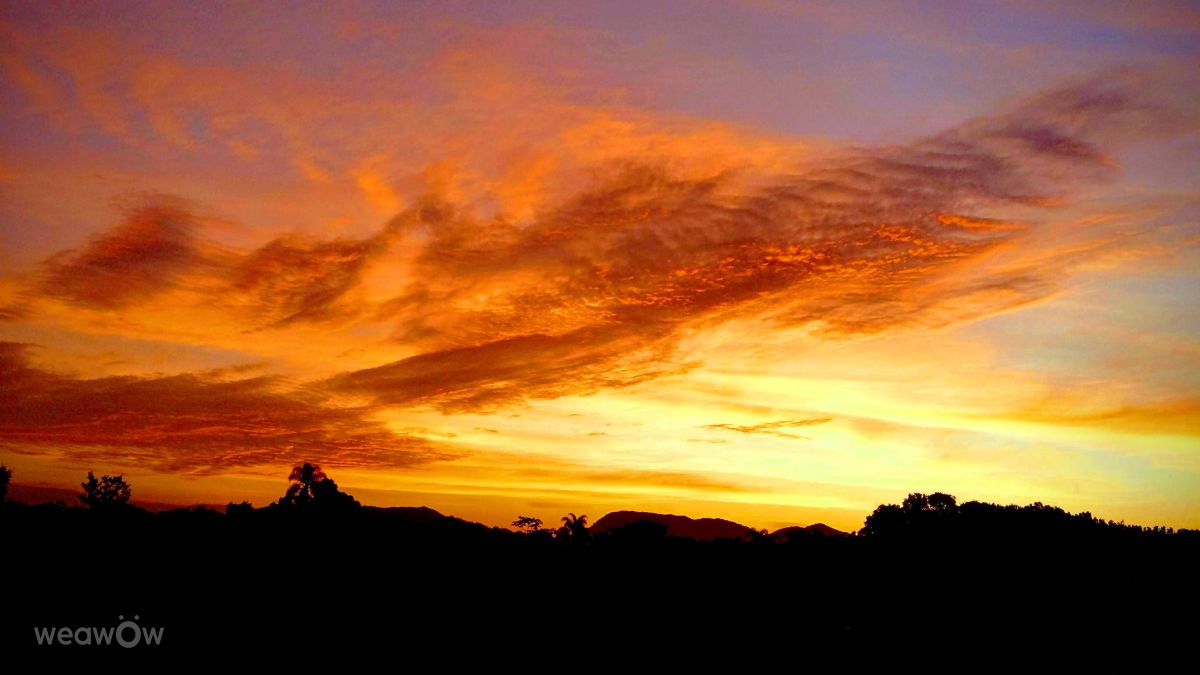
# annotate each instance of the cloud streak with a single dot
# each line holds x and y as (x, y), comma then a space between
(771, 428)
(294, 281)
(143, 256)
(202, 423)
(598, 291)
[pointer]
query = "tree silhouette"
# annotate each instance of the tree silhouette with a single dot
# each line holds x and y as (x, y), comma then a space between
(886, 520)
(922, 515)
(758, 536)
(527, 524)
(5, 476)
(105, 492)
(939, 502)
(942, 502)
(312, 489)
(915, 503)
(575, 528)
(239, 510)
(304, 480)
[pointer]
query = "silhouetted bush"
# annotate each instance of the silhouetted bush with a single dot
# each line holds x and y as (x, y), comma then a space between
(106, 492)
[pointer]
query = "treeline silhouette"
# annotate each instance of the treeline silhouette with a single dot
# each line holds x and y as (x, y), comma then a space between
(923, 578)
(313, 498)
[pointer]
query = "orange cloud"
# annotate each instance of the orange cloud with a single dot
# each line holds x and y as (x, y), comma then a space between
(202, 423)
(295, 280)
(141, 257)
(515, 368)
(598, 290)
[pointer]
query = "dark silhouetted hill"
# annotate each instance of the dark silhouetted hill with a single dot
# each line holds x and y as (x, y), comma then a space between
(815, 528)
(414, 514)
(703, 529)
(700, 529)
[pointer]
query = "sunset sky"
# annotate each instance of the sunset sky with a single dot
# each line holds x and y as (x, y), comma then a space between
(772, 262)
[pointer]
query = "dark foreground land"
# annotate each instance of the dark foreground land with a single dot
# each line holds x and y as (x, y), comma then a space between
(971, 587)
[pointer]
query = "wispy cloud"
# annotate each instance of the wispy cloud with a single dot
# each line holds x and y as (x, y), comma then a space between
(201, 423)
(1175, 416)
(293, 280)
(142, 256)
(598, 290)
(771, 428)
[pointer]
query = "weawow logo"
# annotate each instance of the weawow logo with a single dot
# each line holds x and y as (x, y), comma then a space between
(128, 634)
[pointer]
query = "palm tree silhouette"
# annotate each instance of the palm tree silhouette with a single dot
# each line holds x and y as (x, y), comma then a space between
(576, 527)
(304, 480)
(312, 488)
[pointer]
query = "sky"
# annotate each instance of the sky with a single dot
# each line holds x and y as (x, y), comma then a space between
(772, 262)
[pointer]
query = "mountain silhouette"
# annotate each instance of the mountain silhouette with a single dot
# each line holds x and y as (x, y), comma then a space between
(815, 528)
(700, 529)
(703, 529)
(414, 514)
